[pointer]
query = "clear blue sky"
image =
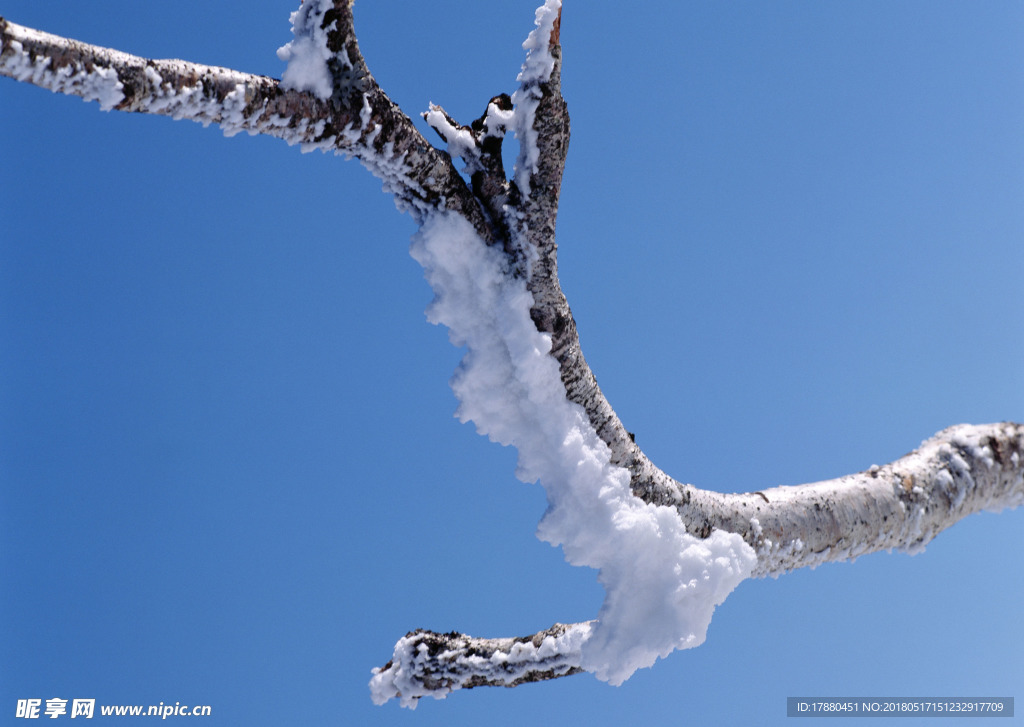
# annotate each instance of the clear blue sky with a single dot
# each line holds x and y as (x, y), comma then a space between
(791, 234)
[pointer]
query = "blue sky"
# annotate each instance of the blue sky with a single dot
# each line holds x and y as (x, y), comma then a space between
(791, 236)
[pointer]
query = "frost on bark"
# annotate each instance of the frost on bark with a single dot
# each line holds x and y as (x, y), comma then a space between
(357, 119)
(667, 552)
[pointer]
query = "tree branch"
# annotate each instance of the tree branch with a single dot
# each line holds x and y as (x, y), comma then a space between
(902, 505)
(432, 664)
(328, 100)
(356, 119)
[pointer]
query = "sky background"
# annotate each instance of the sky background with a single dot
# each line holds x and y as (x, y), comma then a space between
(791, 234)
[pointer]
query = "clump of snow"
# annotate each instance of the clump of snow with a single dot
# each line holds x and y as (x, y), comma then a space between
(461, 143)
(307, 54)
(464, 143)
(662, 584)
(101, 85)
(233, 112)
(497, 120)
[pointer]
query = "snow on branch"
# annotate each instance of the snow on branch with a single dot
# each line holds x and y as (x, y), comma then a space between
(902, 505)
(479, 147)
(662, 583)
(328, 100)
(538, 122)
(667, 553)
(668, 563)
(428, 664)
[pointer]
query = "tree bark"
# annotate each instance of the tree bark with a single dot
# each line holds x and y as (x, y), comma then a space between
(358, 120)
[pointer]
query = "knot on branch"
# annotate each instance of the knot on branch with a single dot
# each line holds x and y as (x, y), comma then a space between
(349, 83)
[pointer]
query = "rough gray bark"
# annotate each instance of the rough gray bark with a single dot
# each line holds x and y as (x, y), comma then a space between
(903, 505)
(359, 120)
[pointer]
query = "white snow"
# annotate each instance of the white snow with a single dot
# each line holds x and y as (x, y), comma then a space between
(188, 102)
(662, 584)
(307, 54)
(498, 120)
(460, 141)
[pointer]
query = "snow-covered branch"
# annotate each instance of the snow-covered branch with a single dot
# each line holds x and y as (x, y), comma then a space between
(328, 100)
(960, 471)
(432, 664)
(667, 553)
(902, 505)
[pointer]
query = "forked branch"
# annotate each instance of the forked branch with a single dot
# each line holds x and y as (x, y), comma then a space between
(501, 230)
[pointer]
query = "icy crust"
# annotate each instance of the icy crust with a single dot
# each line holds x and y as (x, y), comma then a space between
(307, 54)
(98, 84)
(413, 666)
(536, 70)
(662, 584)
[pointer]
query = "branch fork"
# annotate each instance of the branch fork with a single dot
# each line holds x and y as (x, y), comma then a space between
(329, 100)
